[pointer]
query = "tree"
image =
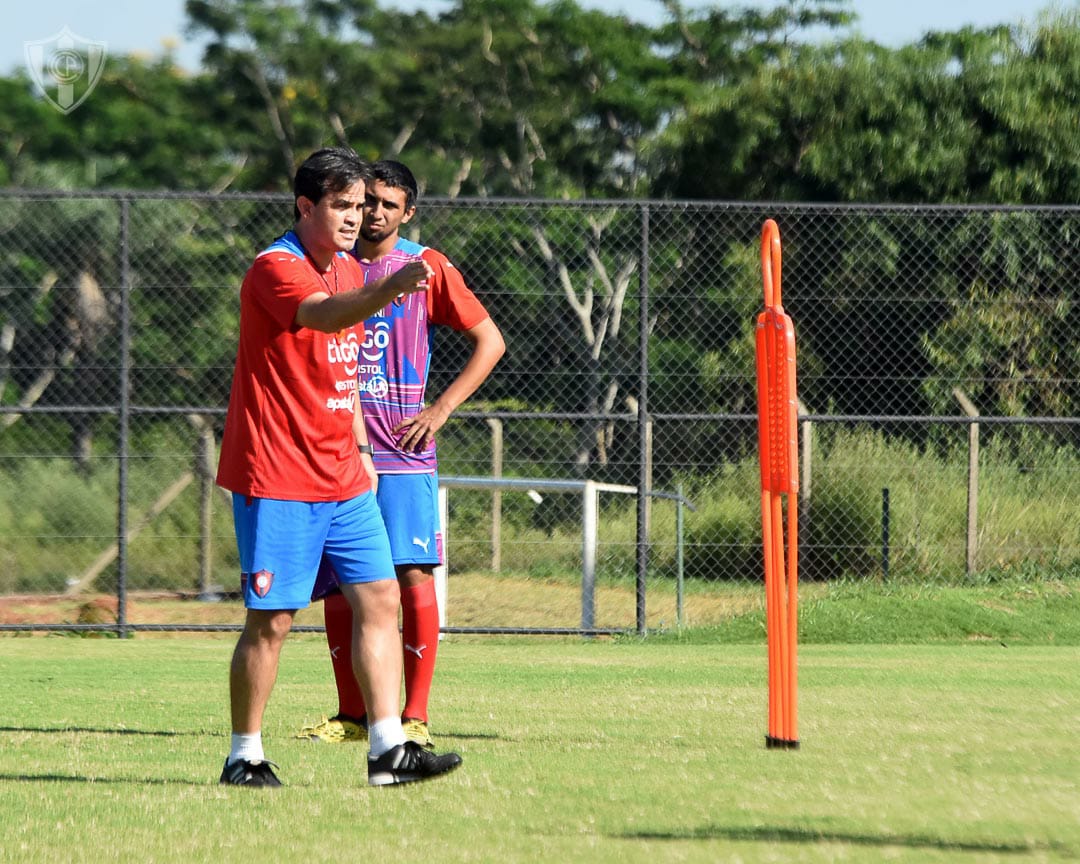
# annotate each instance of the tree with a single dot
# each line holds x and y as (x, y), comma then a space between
(972, 117)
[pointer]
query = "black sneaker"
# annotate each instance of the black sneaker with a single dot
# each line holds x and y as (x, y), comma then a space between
(244, 773)
(408, 763)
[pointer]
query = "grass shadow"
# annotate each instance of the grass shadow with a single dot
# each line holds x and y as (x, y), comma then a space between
(467, 736)
(92, 730)
(112, 781)
(766, 834)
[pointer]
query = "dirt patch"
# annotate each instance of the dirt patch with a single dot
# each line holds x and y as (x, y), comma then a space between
(997, 607)
(473, 600)
(141, 608)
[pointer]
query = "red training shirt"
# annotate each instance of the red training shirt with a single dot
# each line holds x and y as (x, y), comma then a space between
(288, 432)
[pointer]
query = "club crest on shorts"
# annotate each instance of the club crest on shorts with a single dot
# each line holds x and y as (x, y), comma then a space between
(261, 582)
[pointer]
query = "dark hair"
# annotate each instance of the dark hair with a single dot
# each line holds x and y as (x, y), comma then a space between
(328, 170)
(396, 176)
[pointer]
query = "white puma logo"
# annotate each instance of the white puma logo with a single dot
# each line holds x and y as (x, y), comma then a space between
(419, 652)
(334, 650)
(423, 544)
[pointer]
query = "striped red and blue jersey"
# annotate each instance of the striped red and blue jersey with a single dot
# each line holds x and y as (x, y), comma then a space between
(395, 357)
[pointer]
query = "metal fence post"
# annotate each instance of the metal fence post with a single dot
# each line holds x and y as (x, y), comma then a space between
(644, 438)
(124, 418)
(972, 545)
(205, 460)
(679, 556)
(806, 461)
(496, 426)
(590, 509)
(885, 534)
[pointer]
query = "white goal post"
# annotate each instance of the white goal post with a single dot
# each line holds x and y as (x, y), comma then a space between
(590, 516)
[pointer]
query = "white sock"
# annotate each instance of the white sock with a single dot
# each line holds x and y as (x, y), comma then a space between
(384, 735)
(247, 746)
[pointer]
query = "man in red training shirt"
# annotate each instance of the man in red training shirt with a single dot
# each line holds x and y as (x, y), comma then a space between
(301, 490)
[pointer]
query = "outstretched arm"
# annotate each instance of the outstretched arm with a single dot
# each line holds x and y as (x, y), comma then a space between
(488, 347)
(330, 313)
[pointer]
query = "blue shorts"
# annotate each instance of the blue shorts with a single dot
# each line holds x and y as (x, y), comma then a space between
(282, 543)
(410, 509)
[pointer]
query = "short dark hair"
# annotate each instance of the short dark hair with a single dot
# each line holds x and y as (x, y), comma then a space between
(396, 176)
(328, 170)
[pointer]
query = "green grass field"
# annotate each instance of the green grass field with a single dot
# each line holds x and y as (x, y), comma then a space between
(575, 750)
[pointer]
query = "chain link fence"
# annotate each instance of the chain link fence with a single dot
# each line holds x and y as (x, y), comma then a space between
(938, 376)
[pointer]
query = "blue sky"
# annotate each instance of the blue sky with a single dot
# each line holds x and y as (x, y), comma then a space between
(128, 26)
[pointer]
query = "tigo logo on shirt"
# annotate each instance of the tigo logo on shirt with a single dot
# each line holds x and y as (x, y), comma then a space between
(347, 352)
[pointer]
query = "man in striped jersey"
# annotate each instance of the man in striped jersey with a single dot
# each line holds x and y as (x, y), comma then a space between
(392, 379)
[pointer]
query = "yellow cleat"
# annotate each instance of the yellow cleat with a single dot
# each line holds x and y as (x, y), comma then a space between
(417, 730)
(334, 730)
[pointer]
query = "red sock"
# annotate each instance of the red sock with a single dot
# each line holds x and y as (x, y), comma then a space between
(420, 637)
(338, 617)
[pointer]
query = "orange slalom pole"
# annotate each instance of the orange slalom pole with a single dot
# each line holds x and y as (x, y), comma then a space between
(786, 360)
(792, 731)
(767, 532)
(778, 446)
(770, 617)
(780, 460)
(783, 675)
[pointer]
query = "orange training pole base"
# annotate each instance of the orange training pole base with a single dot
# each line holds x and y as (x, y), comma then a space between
(778, 447)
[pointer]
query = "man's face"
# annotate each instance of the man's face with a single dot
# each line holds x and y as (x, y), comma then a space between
(335, 221)
(384, 212)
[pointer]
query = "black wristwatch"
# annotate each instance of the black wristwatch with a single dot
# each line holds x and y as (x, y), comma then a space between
(365, 448)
